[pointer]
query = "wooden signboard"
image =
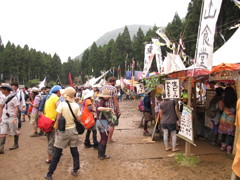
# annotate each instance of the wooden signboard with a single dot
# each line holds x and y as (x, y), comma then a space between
(209, 95)
(172, 89)
(186, 126)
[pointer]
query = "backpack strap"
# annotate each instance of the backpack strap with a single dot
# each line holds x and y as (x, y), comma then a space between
(71, 110)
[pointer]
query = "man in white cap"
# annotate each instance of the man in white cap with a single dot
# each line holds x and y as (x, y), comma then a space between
(8, 117)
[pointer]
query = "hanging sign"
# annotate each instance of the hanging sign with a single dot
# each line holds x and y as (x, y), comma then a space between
(140, 88)
(172, 89)
(210, 93)
(186, 126)
(209, 16)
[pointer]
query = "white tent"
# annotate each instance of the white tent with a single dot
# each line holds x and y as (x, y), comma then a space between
(172, 63)
(229, 52)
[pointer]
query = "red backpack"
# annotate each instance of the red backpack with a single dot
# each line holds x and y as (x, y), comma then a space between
(141, 107)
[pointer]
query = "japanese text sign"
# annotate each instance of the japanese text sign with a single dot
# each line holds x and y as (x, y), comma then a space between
(172, 89)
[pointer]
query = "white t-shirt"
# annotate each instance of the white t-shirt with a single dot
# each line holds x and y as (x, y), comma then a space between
(63, 108)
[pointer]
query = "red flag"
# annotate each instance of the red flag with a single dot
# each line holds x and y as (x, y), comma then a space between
(119, 69)
(70, 79)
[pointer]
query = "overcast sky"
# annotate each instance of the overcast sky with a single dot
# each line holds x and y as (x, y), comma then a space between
(68, 27)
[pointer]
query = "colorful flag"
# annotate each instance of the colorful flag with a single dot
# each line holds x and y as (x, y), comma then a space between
(70, 79)
(204, 47)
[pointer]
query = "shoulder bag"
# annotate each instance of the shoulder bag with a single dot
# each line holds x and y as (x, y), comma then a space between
(80, 128)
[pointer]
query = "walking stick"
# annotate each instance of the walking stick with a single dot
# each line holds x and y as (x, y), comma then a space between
(155, 126)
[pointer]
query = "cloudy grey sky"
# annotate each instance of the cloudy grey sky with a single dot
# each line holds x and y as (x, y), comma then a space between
(68, 27)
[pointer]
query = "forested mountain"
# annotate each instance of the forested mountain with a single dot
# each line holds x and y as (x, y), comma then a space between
(25, 65)
(104, 39)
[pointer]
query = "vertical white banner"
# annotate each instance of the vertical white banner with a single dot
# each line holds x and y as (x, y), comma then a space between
(158, 55)
(209, 16)
(149, 55)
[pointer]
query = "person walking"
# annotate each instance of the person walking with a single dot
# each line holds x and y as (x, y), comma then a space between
(112, 103)
(102, 122)
(69, 137)
(34, 114)
(50, 111)
(8, 117)
(169, 114)
(147, 113)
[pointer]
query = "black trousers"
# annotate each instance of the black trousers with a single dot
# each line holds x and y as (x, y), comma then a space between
(56, 157)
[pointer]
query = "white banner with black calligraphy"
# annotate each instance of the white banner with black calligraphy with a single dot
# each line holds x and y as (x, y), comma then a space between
(140, 88)
(209, 16)
(150, 50)
(158, 55)
(172, 89)
(186, 125)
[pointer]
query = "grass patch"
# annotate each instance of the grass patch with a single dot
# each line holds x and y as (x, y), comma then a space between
(182, 160)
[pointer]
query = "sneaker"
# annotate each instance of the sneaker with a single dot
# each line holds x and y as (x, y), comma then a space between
(41, 133)
(104, 157)
(74, 173)
(88, 145)
(35, 134)
(48, 177)
(146, 133)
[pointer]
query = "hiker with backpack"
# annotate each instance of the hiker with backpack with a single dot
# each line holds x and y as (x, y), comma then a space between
(227, 120)
(8, 117)
(214, 111)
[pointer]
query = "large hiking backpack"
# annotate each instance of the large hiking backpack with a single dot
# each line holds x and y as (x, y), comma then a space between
(211, 111)
(141, 105)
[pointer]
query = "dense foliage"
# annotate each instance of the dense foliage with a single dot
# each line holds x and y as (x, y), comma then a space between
(25, 65)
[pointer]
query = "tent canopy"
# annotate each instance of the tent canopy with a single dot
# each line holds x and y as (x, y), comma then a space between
(229, 52)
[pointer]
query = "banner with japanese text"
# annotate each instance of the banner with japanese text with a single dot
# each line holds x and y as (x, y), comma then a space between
(209, 16)
(158, 55)
(140, 88)
(186, 125)
(172, 89)
(148, 58)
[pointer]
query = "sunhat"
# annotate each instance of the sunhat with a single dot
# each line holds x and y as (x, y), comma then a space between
(68, 93)
(105, 93)
(6, 86)
(87, 93)
(35, 89)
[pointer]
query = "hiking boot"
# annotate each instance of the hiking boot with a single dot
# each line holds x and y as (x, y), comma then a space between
(146, 133)
(74, 173)
(35, 134)
(2, 142)
(48, 177)
(15, 146)
(88, 145)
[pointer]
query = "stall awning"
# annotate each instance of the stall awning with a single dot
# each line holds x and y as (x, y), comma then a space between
(226, 67)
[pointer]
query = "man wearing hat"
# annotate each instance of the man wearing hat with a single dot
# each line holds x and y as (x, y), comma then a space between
(69, 137)
(8, 117)
(112, 103)
(50, 111)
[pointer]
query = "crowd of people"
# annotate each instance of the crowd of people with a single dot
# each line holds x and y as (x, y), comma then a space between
(55, 103)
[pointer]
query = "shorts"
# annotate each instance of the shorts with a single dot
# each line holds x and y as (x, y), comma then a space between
(34, 119)
(7, 124)
(170, 127)
(102, 125)
(69, 137)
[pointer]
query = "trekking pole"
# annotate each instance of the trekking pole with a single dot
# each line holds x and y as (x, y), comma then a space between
(155, 126)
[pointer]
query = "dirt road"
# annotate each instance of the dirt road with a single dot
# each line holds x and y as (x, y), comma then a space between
(133, 156)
